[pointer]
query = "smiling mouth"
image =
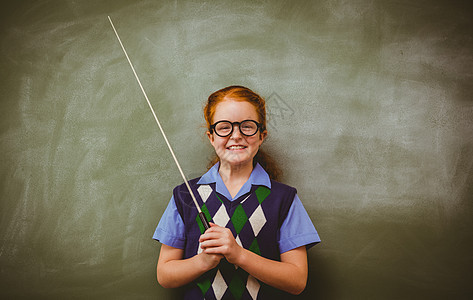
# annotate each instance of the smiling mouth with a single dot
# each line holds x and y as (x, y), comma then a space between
(236, 147)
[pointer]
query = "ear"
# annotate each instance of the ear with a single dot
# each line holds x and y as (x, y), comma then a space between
(210, 137)
(263, 135)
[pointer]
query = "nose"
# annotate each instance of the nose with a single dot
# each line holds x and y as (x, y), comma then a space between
(236, 132)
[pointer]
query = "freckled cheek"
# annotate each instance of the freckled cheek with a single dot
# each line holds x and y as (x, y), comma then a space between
(219, 143)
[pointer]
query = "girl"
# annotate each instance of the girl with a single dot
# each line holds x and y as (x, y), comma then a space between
(256, 246)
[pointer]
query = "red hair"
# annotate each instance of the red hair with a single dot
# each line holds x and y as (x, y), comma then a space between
(241, 93)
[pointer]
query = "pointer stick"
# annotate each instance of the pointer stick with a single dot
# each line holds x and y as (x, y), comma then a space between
(201, 214)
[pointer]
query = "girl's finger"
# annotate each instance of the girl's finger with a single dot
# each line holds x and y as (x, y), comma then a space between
(212, 233)
(214, 227)
(210, 236)
(210, 244)
(214, 250)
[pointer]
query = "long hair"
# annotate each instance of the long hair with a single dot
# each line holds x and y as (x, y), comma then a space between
(241, 93)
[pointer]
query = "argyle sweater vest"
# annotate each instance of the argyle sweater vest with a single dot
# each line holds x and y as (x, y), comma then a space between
(254, 219)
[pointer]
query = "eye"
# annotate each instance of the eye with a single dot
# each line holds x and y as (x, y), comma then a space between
(223, 128)
(248, 125)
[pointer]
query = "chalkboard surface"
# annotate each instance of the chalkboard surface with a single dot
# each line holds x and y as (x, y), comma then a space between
(371, 118)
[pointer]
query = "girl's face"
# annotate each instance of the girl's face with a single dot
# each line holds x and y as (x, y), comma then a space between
(236, 149)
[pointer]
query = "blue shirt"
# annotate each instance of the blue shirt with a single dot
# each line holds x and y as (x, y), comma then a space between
(297, 229)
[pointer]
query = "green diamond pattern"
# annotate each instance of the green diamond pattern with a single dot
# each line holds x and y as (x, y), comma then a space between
(239, 218)
(237, 286)
(255, 247)
(204, 285)
(261, 193)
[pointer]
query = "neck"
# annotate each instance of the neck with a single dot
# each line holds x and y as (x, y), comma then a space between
(235, 174)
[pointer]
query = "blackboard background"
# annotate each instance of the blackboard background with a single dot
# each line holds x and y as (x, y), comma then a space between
(371, 118)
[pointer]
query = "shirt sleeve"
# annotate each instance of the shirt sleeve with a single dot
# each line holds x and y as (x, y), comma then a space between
(171, 229)
(297, 229)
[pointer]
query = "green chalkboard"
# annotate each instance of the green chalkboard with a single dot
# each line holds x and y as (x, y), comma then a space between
(370, 116)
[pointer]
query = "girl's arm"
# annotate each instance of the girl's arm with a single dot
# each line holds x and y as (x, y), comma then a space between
(289, 274)
(173, 271)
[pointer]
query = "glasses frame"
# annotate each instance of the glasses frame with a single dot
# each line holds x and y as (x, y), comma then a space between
(212, 127)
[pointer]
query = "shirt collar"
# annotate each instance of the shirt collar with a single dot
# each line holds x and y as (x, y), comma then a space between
(258, 177)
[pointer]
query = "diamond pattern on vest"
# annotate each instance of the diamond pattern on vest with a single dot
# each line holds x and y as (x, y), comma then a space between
(253, 286)
(219, 286)
(257, 220)
(204, 192)
(240, 280)
(221, 218)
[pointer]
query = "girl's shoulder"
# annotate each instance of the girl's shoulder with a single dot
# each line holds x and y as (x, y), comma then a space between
(192, 183)
(277, 186)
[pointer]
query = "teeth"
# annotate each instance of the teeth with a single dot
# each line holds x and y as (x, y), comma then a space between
(235, 147)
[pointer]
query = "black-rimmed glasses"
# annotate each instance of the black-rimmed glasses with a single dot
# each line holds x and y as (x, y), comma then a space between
(225, 128)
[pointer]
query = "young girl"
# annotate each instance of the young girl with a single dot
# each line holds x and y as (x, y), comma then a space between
(256, 246)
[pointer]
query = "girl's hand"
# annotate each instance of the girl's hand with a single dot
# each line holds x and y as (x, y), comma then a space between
(209, 261)
(220, 240)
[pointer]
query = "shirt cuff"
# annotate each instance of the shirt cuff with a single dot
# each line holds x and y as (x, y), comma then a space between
(167, 239)
(308, 239)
